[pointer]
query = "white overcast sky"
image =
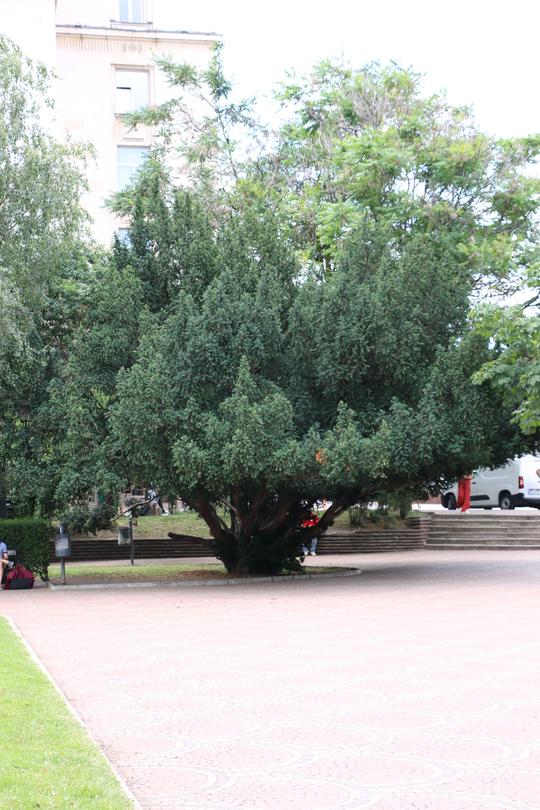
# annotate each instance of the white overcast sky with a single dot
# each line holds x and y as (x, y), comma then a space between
(483, 53)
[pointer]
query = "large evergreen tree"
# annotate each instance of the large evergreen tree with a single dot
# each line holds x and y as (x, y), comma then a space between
(277, 386)
(305, 329)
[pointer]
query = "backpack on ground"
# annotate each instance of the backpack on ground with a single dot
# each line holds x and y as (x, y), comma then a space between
(19, 578)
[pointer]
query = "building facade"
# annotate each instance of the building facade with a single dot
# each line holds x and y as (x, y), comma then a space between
(104, 55)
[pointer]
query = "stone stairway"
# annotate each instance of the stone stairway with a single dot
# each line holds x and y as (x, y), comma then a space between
(503, 530)
(402, 537)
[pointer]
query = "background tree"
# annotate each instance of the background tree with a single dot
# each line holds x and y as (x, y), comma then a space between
(357, 141)
(42, 260)
(515, 370)
(201, 131)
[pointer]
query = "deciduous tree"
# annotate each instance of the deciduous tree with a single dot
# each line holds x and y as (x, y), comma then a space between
(41, 257)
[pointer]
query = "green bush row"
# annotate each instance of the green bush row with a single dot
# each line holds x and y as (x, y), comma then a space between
(30, 538)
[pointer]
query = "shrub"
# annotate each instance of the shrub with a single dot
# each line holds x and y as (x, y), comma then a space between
(361, 516)
(83, 521)
(75, 521)
(391, 507)
(30, 538)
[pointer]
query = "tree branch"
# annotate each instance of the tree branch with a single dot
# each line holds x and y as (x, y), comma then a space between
(279, 516)
(218, 528)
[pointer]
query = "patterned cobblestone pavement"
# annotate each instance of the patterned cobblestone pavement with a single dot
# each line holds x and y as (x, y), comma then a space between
(414, 686)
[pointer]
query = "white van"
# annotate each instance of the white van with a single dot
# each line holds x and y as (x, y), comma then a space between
(515, 484)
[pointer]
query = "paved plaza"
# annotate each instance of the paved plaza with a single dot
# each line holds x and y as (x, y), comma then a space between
(413, 686)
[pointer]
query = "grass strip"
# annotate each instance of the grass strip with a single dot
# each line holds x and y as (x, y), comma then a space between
(137, 571)
(48, 761)
(155, 572)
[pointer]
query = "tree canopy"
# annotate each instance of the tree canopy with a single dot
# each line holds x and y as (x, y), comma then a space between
(271, 386)
(295, 325)
(308, 334)
(41, 259)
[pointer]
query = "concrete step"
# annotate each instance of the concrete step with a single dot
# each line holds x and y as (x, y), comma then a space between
(483, 533)
(465, 519)
(487, 541)
(364, 545)
(487, 530)
(483, 529)
(479, 547)
(477, 519)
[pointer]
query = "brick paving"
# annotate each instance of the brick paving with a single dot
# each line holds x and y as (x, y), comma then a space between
(411, 687)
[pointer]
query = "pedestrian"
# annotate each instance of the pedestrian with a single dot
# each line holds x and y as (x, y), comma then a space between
(160, 504)
(154, 501)
(310, 521)
(464, 493)
(4, 561)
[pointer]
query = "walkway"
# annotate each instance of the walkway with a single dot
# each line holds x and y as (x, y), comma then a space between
(414, 685)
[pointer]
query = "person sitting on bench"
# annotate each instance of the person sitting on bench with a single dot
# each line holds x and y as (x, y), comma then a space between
(4, 561)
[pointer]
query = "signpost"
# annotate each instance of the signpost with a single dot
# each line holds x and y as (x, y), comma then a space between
(125, 537)
(62, 549)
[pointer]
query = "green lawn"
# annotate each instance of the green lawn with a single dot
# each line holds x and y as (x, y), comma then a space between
(182, 523)
(48, 761)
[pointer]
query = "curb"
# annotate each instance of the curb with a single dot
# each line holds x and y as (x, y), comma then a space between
(205, 583)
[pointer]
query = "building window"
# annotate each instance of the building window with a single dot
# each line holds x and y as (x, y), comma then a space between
(131, 90)
(124, 237)
(129, 161)
(131, 11)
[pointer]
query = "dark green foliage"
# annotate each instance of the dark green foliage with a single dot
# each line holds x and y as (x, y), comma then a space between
(170, 240)
(105, 342)
(391, 506)
(30, 538)
(278, 387)
(297, 328)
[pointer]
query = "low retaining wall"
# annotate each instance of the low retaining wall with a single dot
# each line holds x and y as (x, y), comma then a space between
(412, 534)
(145, 549)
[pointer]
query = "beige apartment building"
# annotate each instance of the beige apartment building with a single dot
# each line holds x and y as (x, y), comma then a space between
(103, 53)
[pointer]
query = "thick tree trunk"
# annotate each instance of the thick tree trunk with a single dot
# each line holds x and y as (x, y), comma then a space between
(265, 535)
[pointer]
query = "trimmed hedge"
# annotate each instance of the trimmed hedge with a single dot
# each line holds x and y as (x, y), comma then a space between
(30, 538)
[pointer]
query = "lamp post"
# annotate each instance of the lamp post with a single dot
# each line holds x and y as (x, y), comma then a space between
(125, 533)
(131, 542)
